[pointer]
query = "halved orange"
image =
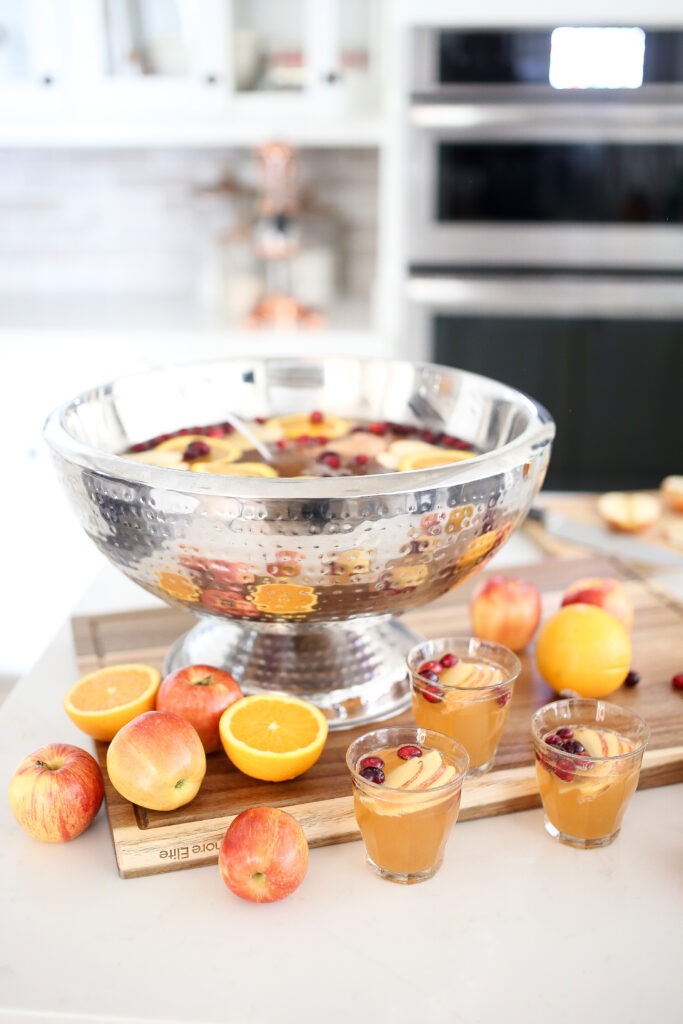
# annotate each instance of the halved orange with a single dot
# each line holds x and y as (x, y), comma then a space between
(179, 586)
(221, 447)
(273, 737)
(425, 460)
(298, 425)
(104, 701)
(230, 468)
(155, 457)
(284, 598)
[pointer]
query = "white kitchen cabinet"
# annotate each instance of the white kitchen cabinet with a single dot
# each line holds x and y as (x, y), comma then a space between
(139, 58)
(32, 60)
(188, 72)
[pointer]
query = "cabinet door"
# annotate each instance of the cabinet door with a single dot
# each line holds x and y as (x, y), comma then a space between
(140, 57)
(612, 387)
(32, 64)
(313, 54)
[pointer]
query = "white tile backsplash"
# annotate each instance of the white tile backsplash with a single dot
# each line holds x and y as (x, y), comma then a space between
(123, 221)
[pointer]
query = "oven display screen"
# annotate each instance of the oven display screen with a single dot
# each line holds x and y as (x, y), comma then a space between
(597, 58)
(564, 57)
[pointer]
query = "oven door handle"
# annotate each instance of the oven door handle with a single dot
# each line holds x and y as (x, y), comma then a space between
(561, 121)
(559, 295)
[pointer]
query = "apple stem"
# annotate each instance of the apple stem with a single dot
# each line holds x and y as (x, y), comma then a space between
(179, 784)
(258, 876)
(206, 681)
(50, 767)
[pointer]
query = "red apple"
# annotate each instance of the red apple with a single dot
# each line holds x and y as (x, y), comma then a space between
(606, 593)
(264, 855)
(157, 761)
(672, 490)
(56, 792)
(506, 611)
(199, 694)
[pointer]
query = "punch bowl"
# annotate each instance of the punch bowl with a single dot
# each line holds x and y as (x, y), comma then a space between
(361, 549)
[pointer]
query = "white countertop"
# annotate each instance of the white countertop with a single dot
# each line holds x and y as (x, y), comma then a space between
(513, 928)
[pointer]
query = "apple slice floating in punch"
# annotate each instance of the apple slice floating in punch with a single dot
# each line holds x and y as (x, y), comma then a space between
(405, 774)
(592, 742)
(445, 778)
(433, 766)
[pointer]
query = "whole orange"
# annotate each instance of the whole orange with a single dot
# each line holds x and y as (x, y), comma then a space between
(583, 648)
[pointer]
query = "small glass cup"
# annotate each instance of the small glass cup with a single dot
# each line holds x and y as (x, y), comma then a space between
(474, 716)
(585, 794)
(405, 830)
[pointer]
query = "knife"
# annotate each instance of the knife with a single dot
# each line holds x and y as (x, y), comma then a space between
(622, 545)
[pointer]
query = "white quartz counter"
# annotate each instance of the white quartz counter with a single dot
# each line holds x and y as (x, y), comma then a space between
(513, 928)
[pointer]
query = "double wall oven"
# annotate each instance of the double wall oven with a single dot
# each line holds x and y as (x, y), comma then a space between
(546, 232)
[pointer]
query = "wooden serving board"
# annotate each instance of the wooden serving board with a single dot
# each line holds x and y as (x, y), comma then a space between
(147, 842)
(666, 533)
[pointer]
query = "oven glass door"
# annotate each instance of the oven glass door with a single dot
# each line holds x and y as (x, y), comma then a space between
(570, 182)
(535, 190)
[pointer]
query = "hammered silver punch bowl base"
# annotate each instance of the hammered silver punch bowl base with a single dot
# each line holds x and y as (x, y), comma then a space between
(363, 549)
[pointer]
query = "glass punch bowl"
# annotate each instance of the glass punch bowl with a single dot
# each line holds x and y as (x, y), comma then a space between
(298, 583)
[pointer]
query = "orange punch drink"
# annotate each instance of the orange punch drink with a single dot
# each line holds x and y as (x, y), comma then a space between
(588, 757)
(406, 796)
(462, 687)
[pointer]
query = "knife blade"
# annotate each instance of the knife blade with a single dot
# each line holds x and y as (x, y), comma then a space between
(622, 545)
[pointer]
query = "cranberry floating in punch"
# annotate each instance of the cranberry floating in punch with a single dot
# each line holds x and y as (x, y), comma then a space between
(296, 566)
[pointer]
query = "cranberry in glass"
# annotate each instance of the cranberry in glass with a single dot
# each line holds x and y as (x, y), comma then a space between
(433, 694)
(564, 769)
(408, 751)
(431, 666)
(373, 774)
(371, 762)
(449, 660)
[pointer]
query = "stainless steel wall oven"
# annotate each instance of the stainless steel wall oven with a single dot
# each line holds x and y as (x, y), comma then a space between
(546, 231)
